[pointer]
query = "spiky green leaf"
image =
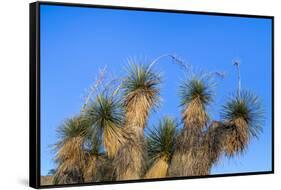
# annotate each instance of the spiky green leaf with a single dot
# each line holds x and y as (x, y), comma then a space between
(161, 139)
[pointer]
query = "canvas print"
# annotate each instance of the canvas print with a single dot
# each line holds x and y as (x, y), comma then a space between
(130, 95)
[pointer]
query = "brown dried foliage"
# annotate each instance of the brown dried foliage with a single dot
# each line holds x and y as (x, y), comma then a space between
(194, 115)
(138, 105)
(72, 161)
(129, 162)
(237, 139)
(159, 169)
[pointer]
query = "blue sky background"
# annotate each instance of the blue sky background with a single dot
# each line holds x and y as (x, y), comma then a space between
(76, 42)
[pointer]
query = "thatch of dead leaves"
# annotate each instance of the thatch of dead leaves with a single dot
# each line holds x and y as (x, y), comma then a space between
(70, 155)
(129, 162)
(141, 93)
(244, 111)
(189, 157)
(93, 155)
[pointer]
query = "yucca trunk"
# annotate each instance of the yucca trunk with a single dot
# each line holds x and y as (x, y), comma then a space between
(194, 115)
(212, 146)
(113, 140)
(90, 170)
(132, 152)
(214, 141)
(72, 161)
(137, 110)
(237, 139)
(159, 169)
(140, 95)
(197, 151)
(130, 159)
(189, 158)
(99, 168)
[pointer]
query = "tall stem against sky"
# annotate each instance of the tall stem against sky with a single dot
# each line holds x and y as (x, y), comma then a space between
(237, 65)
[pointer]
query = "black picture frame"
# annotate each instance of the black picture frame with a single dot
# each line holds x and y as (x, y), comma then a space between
(34, 92)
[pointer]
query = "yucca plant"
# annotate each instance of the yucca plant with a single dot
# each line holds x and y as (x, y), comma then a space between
(189, 157)
(210, 147)
(107, 140)
(242, 118)
(141, 94)
(196, 94)
(161, 141)
(105, 114)
(93, 154)
(70, 154)
(129, 162)
(245, 115)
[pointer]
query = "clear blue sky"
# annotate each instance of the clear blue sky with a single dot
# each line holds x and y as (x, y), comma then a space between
(76, 42)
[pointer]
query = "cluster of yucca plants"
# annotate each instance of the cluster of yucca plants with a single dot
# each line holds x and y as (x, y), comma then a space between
(106, 140)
